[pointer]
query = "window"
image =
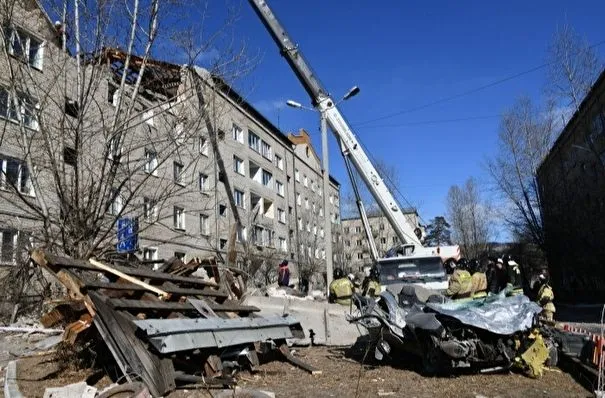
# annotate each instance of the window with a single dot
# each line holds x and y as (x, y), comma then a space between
(267, 178)
(266, 150)
(331, 199)
(395, 239)
(150, 253)
(240, 198)
(290, 210)
(348, 243)
(314, 229)
(203, 182)
(114, 149)
(253, 141)
(346, 230)
(359, 242)
(279, 187)
(300, 224)
(383, 240)
(237, 133)
(222, 244)
(241, 234)
(179, 218)
(24, 46)
(381, 227)
(150, 212)
(222, 210)
(238, 166)
(221, 135)
(308, 226)
(8, 246)
(180, 256)
(203, 146)
(281, 216)
(360, 256)
(357, 230)
(14, 174)
(279, 162)
(305, 181)
(71, 107)
(25, 111)
(312, 185)
(151, 162)
(178, 172)
(307, 203)
(298, 200)
(116, 202)
(296, 175)
(70, 156)
(283, 246)
(204, 229)
(321, 211)
(321, 232)
(323, 254)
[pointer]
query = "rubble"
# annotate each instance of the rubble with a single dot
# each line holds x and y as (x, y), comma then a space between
(169, 327)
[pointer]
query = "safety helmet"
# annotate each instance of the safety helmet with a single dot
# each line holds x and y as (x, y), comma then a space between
(374, 273)
(462, 264)
(338, 273)
(449, 265)
(473, 265)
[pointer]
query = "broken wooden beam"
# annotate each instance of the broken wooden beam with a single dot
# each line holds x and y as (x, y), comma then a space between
(55, 263)
(170, 306)
(161, 293)
(173, 290)
(285, 351)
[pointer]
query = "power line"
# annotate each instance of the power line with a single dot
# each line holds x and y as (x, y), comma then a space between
(428, 122)
(465, 93)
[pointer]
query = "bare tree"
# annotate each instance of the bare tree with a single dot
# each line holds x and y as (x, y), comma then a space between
(525, 137)
(311, 252)
(101, 128)
(471, 218)
(573, 67)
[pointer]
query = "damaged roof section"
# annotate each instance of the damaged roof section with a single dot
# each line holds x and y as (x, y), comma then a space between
(159, 78)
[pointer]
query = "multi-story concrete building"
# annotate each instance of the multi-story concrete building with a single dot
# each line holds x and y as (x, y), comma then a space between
(571, 182)
(68, 166)
(355, 247)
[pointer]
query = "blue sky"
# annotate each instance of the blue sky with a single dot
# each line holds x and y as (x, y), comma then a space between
(404, 55)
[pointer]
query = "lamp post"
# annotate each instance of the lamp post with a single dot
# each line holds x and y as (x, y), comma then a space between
(326, 180)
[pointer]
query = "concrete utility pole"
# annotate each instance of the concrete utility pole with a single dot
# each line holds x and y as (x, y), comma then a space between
(326, 189)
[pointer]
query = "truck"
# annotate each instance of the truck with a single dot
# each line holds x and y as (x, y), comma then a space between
(410, 262)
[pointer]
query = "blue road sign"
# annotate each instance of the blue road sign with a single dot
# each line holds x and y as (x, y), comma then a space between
(128, 235)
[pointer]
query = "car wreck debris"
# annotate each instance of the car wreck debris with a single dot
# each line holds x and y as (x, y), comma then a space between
(167, 327)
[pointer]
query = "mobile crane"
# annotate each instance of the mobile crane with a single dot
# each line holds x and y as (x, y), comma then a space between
(415, 255)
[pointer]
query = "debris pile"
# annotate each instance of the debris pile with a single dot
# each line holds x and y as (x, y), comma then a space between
(167, 327)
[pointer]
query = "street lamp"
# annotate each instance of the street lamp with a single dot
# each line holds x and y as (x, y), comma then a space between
(326, 179)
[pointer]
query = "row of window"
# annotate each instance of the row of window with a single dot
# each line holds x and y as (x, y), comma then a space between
(24, 46)
(317, 253)
(361, 242)
(358, 229)
(258, 174)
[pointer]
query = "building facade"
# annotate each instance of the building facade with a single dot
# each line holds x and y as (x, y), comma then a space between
(571, 182)
(184, 139)
(355, 247)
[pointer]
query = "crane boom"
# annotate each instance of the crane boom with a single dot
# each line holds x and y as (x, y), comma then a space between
(322, 101)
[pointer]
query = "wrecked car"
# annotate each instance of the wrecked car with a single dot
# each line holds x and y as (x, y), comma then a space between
(493, 333)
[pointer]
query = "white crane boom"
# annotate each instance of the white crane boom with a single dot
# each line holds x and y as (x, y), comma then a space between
(323, 103)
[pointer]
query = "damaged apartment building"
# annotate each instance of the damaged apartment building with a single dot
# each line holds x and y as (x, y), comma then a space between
(153, 141)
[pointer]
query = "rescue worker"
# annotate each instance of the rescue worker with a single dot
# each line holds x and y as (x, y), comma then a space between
(478, 279)
(514, 281)
(459, 285)
(371, 284)
(496, 276)
(545, 296)
(341, 288)
(283, 274)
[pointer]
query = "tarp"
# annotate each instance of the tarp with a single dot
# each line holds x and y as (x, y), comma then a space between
(497, 314)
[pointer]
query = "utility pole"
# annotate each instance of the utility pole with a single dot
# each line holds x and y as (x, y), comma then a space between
(326, 189)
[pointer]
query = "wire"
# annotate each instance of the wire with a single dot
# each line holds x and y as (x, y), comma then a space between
(425, 122)
(465, 93)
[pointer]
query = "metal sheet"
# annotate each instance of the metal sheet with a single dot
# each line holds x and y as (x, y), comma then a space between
(172, 335)
(154, 327)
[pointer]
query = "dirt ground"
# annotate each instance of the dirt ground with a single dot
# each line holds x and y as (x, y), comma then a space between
(341, 377)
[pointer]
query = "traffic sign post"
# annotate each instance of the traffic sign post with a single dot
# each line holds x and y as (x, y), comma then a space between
(128, 235)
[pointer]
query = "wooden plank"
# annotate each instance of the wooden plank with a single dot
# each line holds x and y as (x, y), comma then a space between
(157, 374)
(202, 307)
(170, 306)
(285, 351)
(74, 286)
(162, 294)
(55, 263)
(174, 290)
